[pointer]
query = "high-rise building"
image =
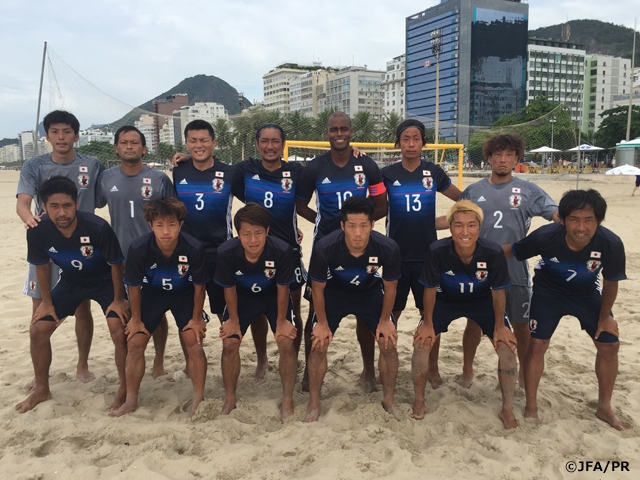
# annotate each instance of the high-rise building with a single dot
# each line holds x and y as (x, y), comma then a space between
(25, 141)
(355, 89)
(393, 86)
(163, 110)
(85, 137)
(10, 153)
(304, 92)
(146, 124)
(276, 86)
(482, 47)
(207, 111)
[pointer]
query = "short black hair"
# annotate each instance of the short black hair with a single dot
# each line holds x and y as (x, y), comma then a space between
(61, 116)
(581, 199)
(164, 207)
(271, 125)
(357, 205)
(129, 128)
(411, 122)
(57, 184)
(498, 143)
(253, 214)
(199, 125)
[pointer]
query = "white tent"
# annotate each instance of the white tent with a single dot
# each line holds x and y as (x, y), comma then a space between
(582, 148)
(545, 150)
(624, 170)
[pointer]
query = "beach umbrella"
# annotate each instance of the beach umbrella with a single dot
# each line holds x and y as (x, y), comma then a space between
(582, 148)
(544, 150)
(624, 170)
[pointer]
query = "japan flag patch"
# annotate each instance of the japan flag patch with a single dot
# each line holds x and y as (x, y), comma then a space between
(146, 181)
(515, 190)
(182, 258)
(596, 255)
(85, 240)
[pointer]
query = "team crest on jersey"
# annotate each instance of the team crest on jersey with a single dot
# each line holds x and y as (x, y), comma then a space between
(83, 180)
(86, 250)
(533, 324)
(372, 269)
(427, 182)
(269, 273)
(515, 201)
(360, 178)
(482, 275)
(287, 183)
(147, 191)
(217, 183)
(593, 265)
(183, 268)
(32, 286)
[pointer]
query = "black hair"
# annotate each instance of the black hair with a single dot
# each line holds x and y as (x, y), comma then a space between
(581, 199)
(57, 184)
(61, 116)
(164, 207)
(498, 143)
(357, 205)
(271, 125)
(253, 214)
(411, 122)
(199, 125)
(129, 128)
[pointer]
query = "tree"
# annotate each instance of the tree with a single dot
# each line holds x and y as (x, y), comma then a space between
(104, 151)
(164, 153)
(614, 126)
(364, 128)
(388, 127)
(320, 124)
(297, 126)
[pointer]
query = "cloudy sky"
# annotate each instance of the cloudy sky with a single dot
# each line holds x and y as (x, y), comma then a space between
(135, 50)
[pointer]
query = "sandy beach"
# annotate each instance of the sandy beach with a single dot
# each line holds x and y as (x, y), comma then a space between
(72, 436)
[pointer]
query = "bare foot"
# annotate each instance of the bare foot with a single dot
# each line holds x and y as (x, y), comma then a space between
(508, 419)
(287, 409)
(464, 381)
(312, 415)
(84, 375)
(158, 368)
(369, 382)
(195, 404)
(532, 414)
(121, 397)
(127, 407)
(30, 386)
(261, 368)
(419, 410)
(229, 405)
(391, 409)
(38, 396)
(435, 379)
(607, 415)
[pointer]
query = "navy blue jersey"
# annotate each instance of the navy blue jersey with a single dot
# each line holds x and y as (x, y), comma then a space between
(331, 262)
(147, 266)
(85, 257)
(411, 218)
(457, 282)
(275, 191)
(333, 185)
(275, 267)
(561, 271)
(207, 196)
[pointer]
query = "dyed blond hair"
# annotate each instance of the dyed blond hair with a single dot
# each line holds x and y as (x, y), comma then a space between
(465, 206)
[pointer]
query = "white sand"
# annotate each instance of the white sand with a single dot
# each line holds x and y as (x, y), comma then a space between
(71, 436)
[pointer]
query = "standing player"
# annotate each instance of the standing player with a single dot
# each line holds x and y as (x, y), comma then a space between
(465, 276)
(126, 189)
(411, 220)
(272, 183)
(171, 266)
(255, 269)
(62, 132)
(336, 176)
(346, 279)
(86, 249)
(203, 183)
(508, 204)
(566, 282)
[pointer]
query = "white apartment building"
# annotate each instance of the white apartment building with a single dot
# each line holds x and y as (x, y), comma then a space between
(356, 89)
(304, 91)
(166, 133)
(10, 153)
(146, 126)
(207, 111)
(94, 135)
(276, 87)
(25, 141)
(393, 87)
(555, 70)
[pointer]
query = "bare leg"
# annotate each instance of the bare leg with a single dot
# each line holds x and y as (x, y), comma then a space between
(134, 371)
(296, 298)
(185, 352)
(533, 368)
(308, 328)
(230, 372)
(388, 366)
(470, 341)
(259, 330)
(634, 191)
(523, 335)
(288, 370)
(159, 344)
(367, 348)
(35, 303)
(40, 339)
(119, 339)
(197, 366)
(317, 370)
(433, 373)
(84, 335)
(607, 371)
(507, 370)
(419, 370)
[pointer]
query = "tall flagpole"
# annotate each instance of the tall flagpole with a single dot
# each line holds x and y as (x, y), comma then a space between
(633, 57)
(35, 133)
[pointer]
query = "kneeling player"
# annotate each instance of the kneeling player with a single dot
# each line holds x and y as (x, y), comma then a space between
(87, 251)
(255, 271)
(345, 273)
(465, 276)
(165, 271)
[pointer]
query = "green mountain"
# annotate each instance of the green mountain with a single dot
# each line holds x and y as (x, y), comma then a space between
(598, 37)
(201, 88)
(8, 141)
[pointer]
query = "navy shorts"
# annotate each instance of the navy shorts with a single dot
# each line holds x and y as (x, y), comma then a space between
(518, 302)
(300, 274)
(547, 310)
(67, 297)
(155, 303)
(481, 312)
(409, 281)
(215, 292)
(367, 307)
(249, 309)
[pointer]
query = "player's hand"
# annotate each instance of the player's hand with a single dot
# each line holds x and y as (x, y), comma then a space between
(387, 332)
(284, 328)
(356, 152)
(179, 157)
(608, 325)
(134, 327)
(45, 310)
(32, 222)
(321, 337)
(120, 308)
(506, 336)
(425, 335)
(199, 328)
(230, 328)
(300, 236)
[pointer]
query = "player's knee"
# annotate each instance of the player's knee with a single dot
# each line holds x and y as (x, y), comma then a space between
(606, 350)
(136, 345)
(537, 347)
(505, 354)
(285, 345)
(230, 346)
(389, 349)
(317, 355)
(41, 330)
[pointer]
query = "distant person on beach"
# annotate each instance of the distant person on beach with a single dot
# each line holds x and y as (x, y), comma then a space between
(465, 276)
(637, 185)
(567, 282)
(87, 251)
(62, 131)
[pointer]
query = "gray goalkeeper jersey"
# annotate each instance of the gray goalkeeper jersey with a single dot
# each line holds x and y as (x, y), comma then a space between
(126, 196)
(508, 209)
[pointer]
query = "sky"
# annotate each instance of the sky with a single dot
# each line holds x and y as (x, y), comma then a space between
(135, 50)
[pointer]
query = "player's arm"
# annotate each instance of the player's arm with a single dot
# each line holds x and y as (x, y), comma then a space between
(441, 223)
(232, 325)
(606, 322)
(556, 217)
(119, 304)
(306, 212)
(321, 335)
(425, 334)
(507, 249)
(501, 332)
(23, 209)
(197, 323)
(179, 157)
(284, 327)
(380, 206)
(452, 192)
(386, 328)
(43, 275)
